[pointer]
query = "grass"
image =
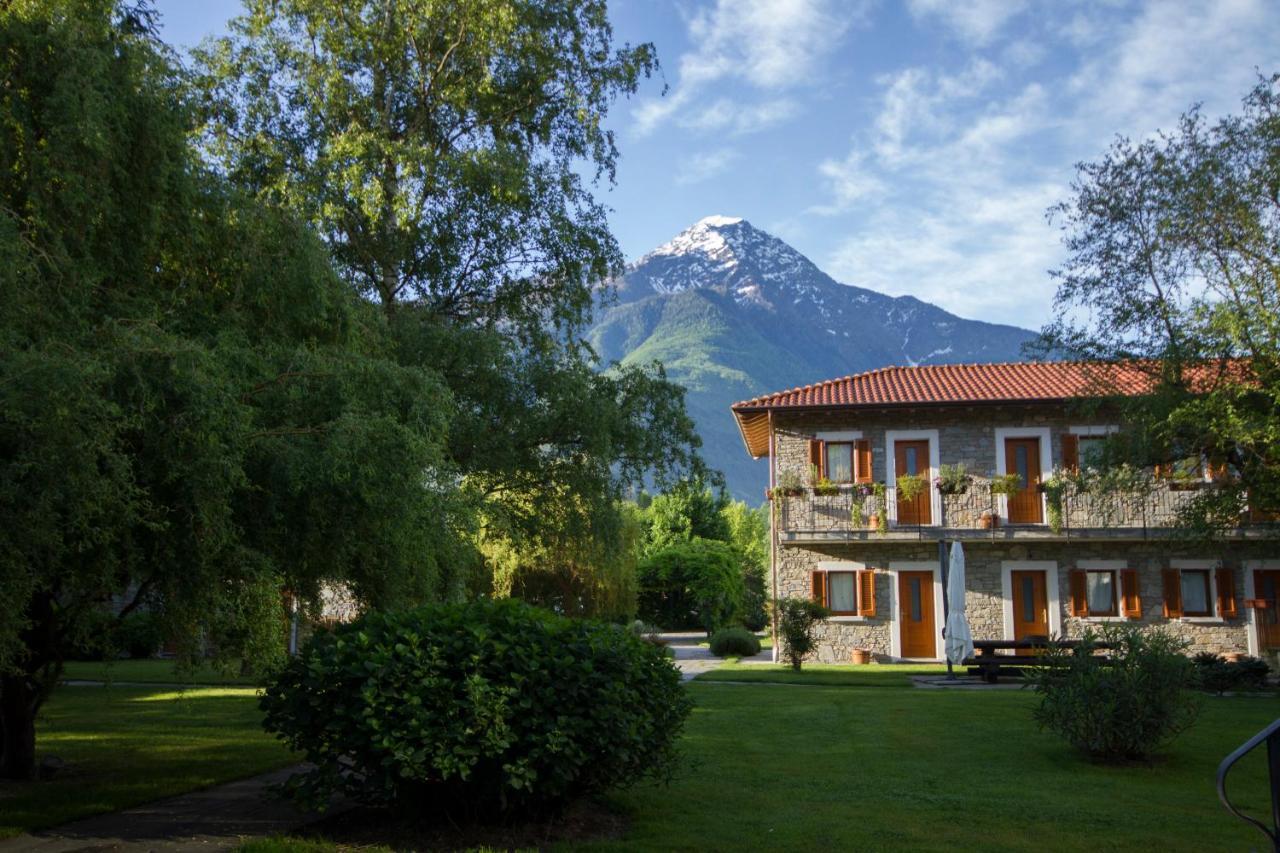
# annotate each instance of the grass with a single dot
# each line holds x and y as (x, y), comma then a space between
(860, 760)
(124, 746)
(893, 767)
(149, 672)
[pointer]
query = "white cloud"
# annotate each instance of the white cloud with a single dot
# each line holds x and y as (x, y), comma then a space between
(724, 114)
(769, 45)
(975, 22)
(705, 165)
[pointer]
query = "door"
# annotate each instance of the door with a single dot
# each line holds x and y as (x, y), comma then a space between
(912, 457)
(1022, 457)
(1266, 585)
(915, 615)
(1030, 606)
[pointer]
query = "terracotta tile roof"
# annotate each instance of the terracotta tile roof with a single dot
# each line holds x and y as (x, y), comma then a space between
(962, 383)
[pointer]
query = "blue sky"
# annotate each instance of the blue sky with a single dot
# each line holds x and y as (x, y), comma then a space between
(909, 147)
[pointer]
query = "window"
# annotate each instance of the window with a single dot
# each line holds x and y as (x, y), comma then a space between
(1100, 593)
(1196, 600)
(1091, 451)
(846, 593)
(842, 591)
(840, 461)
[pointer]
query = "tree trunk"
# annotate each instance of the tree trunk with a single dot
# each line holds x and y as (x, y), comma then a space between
(18, 703)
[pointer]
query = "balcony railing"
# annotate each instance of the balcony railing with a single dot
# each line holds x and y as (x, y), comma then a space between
(978, 512)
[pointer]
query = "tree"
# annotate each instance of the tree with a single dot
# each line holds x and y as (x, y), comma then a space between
(694, 584)
(195, 413)
(749, 535)
(690, 510)
(438, 148)
(1174, 270)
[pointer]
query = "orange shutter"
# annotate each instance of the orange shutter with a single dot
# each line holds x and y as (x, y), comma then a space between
(1226, 593)
(862, 450)
(819, 581)
(817, 464)
(1172, 593)
(1130, 599)
(1070, 452)
(867, 593)
(1079, 597)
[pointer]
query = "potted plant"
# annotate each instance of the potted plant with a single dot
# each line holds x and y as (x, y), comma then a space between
(861, 656)
(880, 518)
(825, 487)
(1006, 484)
(953, 479)
(1053, 489)
(911, 486)
(988, 520)
(789, 484)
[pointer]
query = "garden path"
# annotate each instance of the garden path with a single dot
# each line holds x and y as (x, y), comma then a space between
(217, 818)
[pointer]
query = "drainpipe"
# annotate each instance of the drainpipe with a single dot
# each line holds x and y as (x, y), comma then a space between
(773, 536)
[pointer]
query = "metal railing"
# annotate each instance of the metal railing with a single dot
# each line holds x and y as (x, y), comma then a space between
(1271, 736)
(1156, 507)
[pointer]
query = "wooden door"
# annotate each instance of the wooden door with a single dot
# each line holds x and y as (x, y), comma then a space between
(1266, 585)
(912, 457)
(1030, 606)
(915, 612)
(1022, 457)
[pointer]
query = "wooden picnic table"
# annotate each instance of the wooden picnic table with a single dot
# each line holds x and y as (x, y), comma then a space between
(990, 665)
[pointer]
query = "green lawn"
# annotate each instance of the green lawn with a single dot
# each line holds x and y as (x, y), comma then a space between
(833, 675)
(148, 672)
(127, 745)
(884, 768)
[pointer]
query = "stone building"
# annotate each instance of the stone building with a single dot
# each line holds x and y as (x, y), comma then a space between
(1045, 554)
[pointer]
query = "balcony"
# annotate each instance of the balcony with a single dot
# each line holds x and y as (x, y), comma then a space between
(978, 514)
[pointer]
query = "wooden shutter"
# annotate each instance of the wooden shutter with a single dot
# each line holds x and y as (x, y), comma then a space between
(1172, 593)
(867, 593)
(862, 465)
(819, 582)
(1079, 605)
(1070, 452)
(1130, 599)
(1226, 593)
(817, 457)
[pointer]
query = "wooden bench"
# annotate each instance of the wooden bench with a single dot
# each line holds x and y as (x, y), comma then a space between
(989, 665)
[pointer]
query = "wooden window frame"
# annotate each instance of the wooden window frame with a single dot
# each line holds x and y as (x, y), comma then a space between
(853, 461)
(1114, 612)
(1208, 593)
(864, 590)
(853, 575)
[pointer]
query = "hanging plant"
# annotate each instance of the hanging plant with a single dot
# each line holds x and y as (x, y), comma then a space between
(911, 486)
(1006, 484)
(953, 479)
(882, 512)
(1053, 489)
(825, 488)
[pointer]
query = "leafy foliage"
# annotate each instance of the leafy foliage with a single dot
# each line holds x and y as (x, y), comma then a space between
(1172, 269)
(1123, 706)
(734, 642)
(798, 620)
(695, 584)
(478, 707)
(1217, 675)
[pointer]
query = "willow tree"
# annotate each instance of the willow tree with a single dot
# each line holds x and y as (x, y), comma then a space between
(1174, 265)
(447, 151)
(195, 411)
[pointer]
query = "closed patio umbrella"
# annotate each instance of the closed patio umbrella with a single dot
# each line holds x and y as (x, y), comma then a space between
(959, 640)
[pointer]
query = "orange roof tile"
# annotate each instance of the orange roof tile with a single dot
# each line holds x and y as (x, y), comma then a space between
(963, 383)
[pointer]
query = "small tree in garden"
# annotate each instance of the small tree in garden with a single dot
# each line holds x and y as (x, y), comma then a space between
(1121, 707)
(696, 584)
(798, 619)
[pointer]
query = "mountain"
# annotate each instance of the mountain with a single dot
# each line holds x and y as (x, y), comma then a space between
(734, 312)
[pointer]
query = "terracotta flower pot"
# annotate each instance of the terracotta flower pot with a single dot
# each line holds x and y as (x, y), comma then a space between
(873, 521)
(861, 656)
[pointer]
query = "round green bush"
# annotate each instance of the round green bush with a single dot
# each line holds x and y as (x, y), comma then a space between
(734, 642)
(477, 709)
(690, 585)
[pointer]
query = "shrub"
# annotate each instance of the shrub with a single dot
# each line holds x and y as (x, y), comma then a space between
(798, 619)
(755, 615)
(1218, 676)
(689, 585)
(139, 635)
(483, 708)
(734, 642)
(1123, 706)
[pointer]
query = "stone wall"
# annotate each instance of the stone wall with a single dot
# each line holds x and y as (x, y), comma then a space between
(984, 598)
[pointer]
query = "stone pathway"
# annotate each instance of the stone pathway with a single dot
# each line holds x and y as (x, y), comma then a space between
(218, 818)
(694, 659)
